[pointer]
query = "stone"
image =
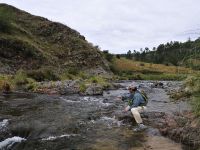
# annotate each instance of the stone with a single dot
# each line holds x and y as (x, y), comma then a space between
(94, 89)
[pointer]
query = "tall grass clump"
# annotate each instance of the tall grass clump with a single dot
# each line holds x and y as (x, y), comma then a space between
(99, 80)
(196, 105)
(193, 86)
(20, 78)
(43, 74)
(5, 83)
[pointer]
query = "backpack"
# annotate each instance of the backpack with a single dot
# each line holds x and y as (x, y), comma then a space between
(144, 95)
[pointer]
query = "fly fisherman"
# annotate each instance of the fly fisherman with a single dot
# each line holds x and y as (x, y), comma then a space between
(136, 104)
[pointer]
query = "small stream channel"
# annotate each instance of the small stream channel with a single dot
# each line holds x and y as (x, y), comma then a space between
(51, 122)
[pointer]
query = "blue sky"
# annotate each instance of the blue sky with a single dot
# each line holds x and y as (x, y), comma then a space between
(122, 25)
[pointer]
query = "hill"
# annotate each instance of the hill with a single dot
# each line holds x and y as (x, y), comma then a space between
(172, 53)
(30, 42)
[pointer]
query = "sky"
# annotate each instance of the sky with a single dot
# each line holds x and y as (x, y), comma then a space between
(122, 25)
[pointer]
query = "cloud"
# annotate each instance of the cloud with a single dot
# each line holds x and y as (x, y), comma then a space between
(120, 25)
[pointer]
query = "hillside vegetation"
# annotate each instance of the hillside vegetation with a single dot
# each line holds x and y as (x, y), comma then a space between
(172, 53)
(33, 43)
(130, 69)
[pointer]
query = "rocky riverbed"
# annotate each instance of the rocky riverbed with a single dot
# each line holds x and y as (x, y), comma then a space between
(30, 121)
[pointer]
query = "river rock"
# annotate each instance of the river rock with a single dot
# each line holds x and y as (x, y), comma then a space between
(94, 89)
(178, 127)
(157, 85)
(59, 87)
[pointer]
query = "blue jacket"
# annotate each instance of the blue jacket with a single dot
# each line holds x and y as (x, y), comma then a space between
(136, 99)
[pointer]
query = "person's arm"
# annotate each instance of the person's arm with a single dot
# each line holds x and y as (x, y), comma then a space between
(125, 96)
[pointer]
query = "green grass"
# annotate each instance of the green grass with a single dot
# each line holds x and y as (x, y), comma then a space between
(196, 104)
(82, 87)
(168, 77)
(5, 79)
(99, 80)
(192, 84)
(123, 64)
(141, 76)
(135, 70)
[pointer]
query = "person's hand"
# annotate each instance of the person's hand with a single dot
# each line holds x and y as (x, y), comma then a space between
(127, 109)
(119, 98)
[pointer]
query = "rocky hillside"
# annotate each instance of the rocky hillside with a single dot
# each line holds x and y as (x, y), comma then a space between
(30, 42)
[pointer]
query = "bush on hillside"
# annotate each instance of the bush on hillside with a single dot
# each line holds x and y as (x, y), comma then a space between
(20, 78)
(5, 20)
(193, 84)
(43, 74)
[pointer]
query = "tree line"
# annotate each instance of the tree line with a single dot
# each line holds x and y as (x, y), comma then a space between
(172, 53)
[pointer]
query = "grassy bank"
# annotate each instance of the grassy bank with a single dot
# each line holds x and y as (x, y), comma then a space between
(29, 80)
(134, 70)
(193, 86)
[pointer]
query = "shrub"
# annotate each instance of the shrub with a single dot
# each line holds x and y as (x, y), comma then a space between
(82, 87)
(108, 56)
(94, 79)
(196, 105)
(6, 83)
(43, 74)
(32, 85)
(6, 87)
(99, 80)
(5, 20)
(20, 78)
(113, 69)
(193, 84)
(82, 75)
(73, 71)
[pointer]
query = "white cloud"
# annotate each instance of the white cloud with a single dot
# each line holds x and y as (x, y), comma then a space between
(120, 25)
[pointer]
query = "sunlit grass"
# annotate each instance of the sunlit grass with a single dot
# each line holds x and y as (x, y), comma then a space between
(130, 65)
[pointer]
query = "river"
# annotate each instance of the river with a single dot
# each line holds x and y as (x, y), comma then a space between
(30, 121)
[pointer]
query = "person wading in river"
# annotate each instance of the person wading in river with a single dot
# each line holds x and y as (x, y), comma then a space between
(136, 104)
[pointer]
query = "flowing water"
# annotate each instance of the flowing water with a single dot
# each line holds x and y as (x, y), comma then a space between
(50, 122)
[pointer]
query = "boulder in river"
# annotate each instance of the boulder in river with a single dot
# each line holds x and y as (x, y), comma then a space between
(94, 89)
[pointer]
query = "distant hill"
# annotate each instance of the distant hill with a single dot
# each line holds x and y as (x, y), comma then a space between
(30, 42)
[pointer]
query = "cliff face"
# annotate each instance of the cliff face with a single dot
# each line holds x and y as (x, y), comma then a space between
(32, 42)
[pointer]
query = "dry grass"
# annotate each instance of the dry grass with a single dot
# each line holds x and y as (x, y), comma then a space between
(5, 80)
(130, 65)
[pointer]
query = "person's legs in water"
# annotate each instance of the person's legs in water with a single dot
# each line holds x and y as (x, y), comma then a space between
(136, 114)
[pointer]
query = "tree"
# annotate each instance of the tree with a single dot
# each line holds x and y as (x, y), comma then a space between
(146, 49)
(118, 56)
(107, 55)
(160, 47)
(129, 55)
(154, 48)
